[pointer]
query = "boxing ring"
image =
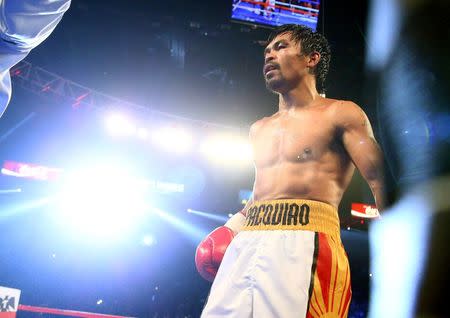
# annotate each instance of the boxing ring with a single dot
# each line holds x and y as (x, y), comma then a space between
(63, 312)
(10, 308)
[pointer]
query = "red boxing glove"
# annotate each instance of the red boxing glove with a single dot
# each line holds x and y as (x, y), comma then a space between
(210, 252)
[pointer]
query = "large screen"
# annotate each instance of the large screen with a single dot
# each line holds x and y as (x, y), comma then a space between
(276, 12)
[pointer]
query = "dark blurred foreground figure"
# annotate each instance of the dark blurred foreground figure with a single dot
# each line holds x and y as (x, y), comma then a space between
(409, 65)
(24, 24)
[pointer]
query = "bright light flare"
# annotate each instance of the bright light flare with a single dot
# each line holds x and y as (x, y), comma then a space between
(227, 149)
(119, 125)
(105, 202)
(173, 139)
(148, 240)
(143, 133)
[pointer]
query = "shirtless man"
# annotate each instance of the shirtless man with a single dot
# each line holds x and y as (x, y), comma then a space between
(286, 258)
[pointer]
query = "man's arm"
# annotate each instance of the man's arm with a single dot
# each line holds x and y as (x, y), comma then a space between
(359, 142)
(24, 24)
(27, 23)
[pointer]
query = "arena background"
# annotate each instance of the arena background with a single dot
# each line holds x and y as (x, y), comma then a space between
(181, 64)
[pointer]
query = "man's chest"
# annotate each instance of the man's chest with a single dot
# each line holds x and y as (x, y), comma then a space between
(294, 139)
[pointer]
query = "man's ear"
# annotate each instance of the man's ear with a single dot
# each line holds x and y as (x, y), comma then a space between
(313, 59)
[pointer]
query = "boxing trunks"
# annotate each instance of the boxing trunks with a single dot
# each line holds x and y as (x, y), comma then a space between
(288, 261)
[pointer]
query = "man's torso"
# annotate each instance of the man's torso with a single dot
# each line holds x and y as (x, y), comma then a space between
(299, 154)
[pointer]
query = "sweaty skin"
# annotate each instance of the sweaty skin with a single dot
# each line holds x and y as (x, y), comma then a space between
(310, 147)
(311, 153)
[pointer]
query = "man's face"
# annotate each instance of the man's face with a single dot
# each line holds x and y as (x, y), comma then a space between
(284, 65)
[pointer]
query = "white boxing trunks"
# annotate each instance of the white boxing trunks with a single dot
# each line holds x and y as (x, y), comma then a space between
(288, 261)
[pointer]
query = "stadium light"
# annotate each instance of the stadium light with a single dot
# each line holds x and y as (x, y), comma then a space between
(119, 125)
(148, 240)
(173, 139)
(227, 149)
(104, 203)
(142, 133)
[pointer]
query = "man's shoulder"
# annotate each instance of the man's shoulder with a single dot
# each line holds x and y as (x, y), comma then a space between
(344, 109)
(347, 114)
(260, 122)
(341, 105)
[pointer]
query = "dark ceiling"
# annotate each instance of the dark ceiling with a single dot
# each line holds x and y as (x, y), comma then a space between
(188, 58)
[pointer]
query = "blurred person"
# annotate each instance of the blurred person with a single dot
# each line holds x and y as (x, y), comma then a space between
(409, 74)
(286, 258)
(269, 9)
(24, 24)
(259, 6)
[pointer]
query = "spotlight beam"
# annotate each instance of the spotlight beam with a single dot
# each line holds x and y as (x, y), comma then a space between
(195, 233)
(211, 216)
(26, 207)
(8, 191)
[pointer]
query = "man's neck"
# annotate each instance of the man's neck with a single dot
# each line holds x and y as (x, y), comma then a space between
(299, 97)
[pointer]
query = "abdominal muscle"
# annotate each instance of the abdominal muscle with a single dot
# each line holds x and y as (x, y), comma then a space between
(308, 181)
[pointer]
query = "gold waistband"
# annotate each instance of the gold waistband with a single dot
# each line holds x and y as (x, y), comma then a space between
(293, 214)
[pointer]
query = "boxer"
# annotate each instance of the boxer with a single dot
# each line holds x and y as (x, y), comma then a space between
(286, 258)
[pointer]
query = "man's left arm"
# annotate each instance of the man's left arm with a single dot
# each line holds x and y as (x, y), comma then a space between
(359, 142)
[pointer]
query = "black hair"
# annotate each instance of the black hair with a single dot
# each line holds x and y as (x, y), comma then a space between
(310, 41)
